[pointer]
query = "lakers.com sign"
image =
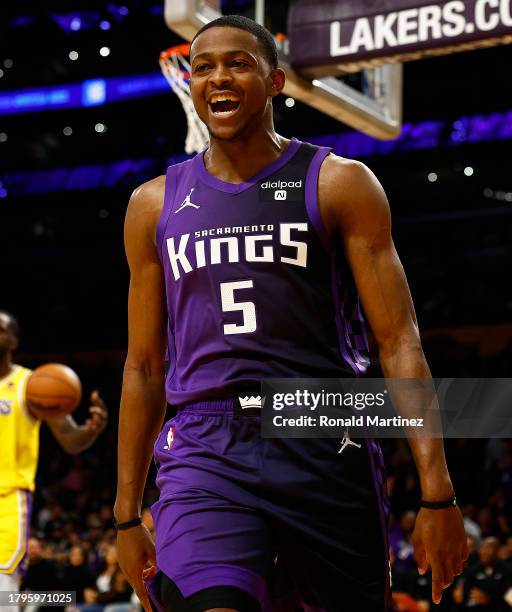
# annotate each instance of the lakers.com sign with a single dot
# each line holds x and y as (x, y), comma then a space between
(340, 36)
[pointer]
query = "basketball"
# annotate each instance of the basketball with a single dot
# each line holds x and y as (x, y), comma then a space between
(53, 390)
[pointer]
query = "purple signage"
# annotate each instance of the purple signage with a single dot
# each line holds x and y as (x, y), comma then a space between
(330, 37)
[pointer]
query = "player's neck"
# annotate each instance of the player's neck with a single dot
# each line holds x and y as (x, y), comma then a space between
(5, 364)
(236, 161)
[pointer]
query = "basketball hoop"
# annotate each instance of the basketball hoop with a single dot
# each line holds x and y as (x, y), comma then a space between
(176, 69)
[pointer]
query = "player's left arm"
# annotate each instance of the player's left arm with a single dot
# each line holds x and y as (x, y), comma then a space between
(76, 438)
(353, 202)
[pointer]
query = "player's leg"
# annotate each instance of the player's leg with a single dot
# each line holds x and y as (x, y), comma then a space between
(214, 549)
(211, 554)
(15, 508)
(332, 544)
(214, 599)
(9, 583)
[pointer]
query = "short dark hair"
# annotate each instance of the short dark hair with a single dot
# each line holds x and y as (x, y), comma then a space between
(14, 326)
(265, 38)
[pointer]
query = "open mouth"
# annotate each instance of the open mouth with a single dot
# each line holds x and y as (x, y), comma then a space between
(223, 106)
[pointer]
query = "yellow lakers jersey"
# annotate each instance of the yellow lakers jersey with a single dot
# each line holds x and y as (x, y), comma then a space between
(19, 434)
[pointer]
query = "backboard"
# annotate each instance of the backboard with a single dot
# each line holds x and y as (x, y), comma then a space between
(375, 110)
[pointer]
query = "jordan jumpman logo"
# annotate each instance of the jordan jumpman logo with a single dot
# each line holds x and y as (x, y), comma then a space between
(347, 442)
(186, 202)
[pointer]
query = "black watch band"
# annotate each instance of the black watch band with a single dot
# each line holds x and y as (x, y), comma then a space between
(127, 524)
(439, 505)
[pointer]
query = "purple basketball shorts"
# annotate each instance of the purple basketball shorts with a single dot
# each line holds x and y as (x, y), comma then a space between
(293, 522)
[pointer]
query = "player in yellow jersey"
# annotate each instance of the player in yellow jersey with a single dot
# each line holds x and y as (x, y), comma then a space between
(19, 451)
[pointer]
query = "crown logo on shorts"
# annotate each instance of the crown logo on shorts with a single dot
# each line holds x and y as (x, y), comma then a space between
(254, 401)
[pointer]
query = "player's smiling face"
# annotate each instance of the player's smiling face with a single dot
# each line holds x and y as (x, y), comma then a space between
(231, 81)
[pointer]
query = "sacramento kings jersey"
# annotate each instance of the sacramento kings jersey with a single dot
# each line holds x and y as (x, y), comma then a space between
(254, 287)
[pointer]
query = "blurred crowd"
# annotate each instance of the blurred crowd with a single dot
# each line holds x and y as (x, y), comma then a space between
(482, 474)
(70, 551)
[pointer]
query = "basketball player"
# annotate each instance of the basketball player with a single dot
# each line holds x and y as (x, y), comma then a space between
(19, 444)
(244, 264)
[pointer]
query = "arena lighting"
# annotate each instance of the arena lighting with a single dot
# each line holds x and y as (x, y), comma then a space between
(88, 19)
(96, 92)
(92, 92)
(75, 24)
(73, 55)
(500, 195)
(420, 136)
(432, 177)
(104, 51)
(20, 21)
(1, 73)
(468, 171)
(290, 102)
(8, 63)
(100, 128)
(126, 172)
(67, 131)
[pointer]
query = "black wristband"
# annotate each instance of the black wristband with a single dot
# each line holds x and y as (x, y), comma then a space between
(439, 505)
(127, 524)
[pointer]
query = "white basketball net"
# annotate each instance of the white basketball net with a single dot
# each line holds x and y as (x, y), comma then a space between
(175, 69)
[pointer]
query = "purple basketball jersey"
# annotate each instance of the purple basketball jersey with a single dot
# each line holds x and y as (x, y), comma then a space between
(255, 289)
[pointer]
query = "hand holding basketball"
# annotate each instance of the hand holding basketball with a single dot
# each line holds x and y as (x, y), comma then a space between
(53, 390)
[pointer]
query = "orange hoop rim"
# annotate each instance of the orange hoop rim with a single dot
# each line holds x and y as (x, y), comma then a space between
(182, 50)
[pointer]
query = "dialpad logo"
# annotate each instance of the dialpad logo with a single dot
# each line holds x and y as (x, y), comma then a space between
(280, 190)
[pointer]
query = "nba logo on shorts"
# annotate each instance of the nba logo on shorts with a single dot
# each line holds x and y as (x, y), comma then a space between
(280, 194)
(170, 439)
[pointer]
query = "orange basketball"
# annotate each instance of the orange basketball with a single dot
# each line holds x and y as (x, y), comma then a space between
(53, 390)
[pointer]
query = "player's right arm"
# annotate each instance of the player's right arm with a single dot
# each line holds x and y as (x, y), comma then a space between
(142, 399)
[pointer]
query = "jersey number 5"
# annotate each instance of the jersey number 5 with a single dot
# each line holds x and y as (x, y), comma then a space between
(227, 296)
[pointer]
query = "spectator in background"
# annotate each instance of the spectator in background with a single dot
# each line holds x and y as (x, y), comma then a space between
(111, 591)
(473, 546)
(118, 597)
(405, 603)
(106, 515)
(94, 526)
(471, 526)
(111, 566)
(401, 542)
(411, 592)
(505, 554)
(482, 586)
(77, 576)
(41, 574)
(77, 476)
